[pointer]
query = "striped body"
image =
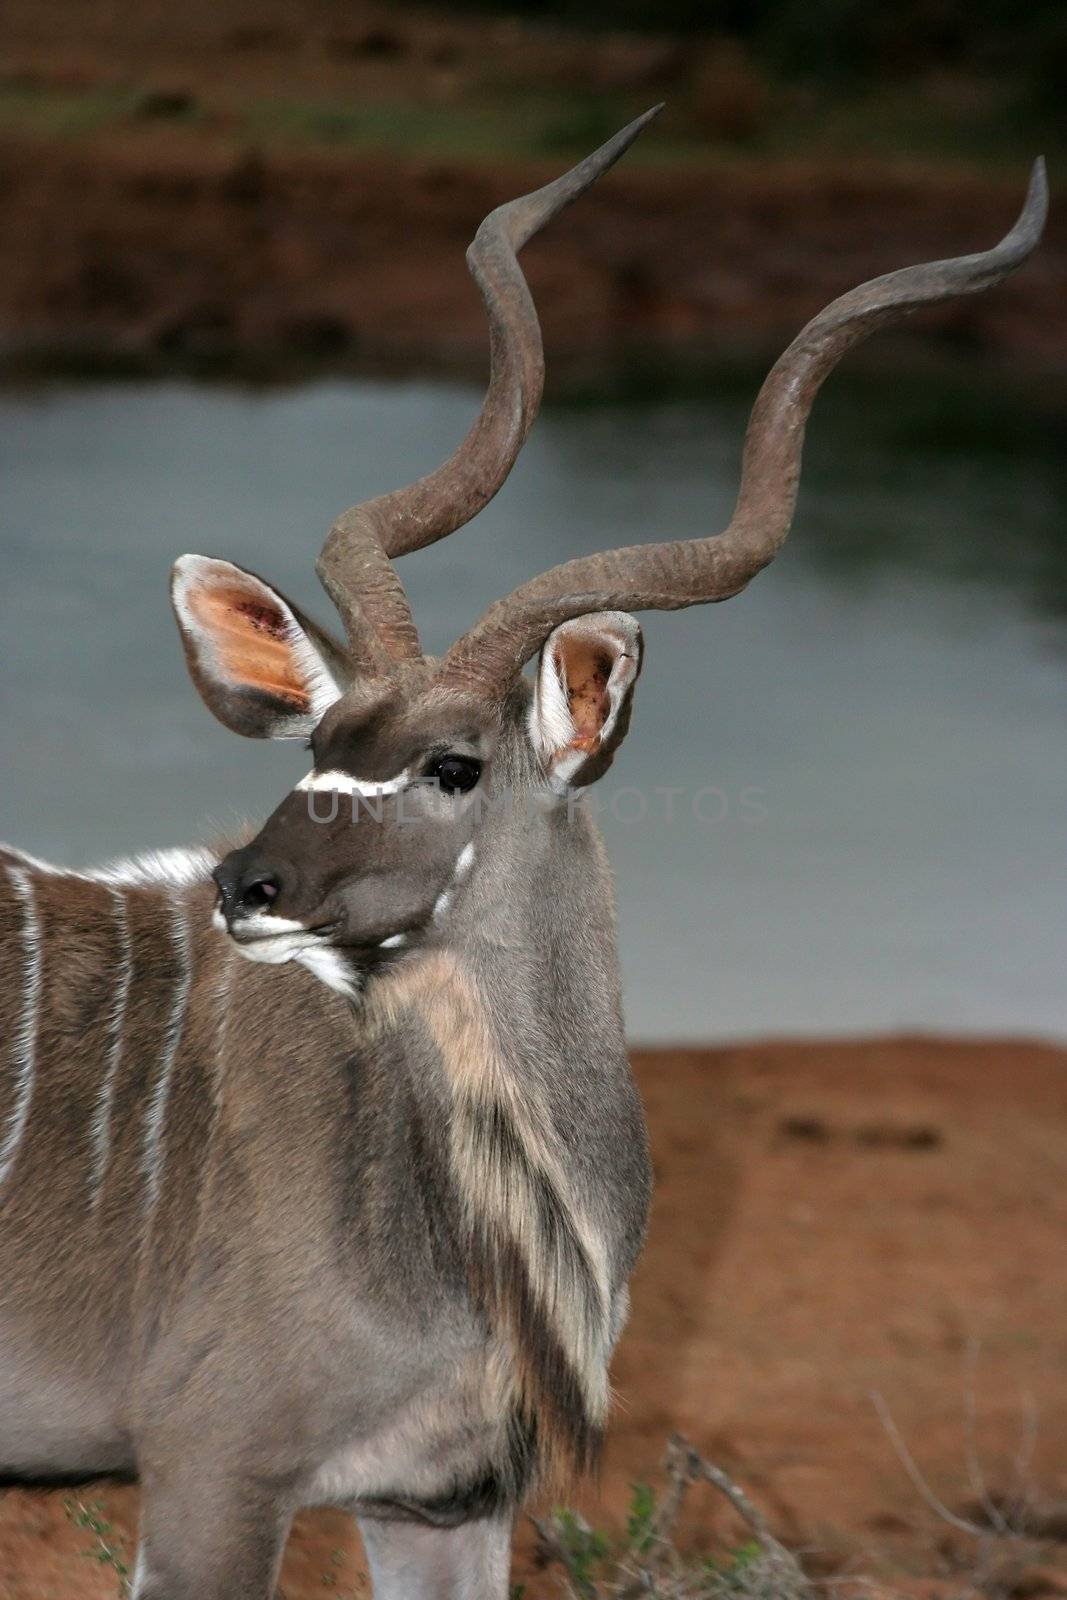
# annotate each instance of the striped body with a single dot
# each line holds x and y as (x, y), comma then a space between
(229, 1170)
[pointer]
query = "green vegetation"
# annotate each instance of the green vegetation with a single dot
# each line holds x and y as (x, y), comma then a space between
(1007, 1541)
(526, 124)
(107, 1547)
(45, 112)
(647, 1560)
(819, 81)
(982, 124)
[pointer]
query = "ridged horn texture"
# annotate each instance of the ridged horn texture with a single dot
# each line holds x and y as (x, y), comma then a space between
(665, 577)
(355, 567)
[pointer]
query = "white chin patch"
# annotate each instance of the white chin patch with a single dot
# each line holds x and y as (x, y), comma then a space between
(273, 952)
(277, 940)
(332, 969)
(261, 925)
(268, 939)
(328, 965)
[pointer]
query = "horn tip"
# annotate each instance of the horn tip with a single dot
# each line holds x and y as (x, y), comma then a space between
(626, 136)
(520, 219)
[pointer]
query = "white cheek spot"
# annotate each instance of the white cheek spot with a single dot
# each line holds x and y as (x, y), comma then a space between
(464, 862)
(345, 783)
(442, 904)
(218, 921)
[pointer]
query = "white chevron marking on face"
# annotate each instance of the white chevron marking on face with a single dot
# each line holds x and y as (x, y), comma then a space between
(344, 783)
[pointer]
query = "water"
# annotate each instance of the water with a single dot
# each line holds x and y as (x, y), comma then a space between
(869, 745)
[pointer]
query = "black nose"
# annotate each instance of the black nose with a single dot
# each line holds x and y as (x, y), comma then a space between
(245, 887)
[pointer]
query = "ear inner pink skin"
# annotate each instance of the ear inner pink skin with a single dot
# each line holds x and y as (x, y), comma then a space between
(250, 642)
(585, 668)
(581, 708)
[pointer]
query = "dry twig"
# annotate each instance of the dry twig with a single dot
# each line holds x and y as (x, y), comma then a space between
(650, 1564)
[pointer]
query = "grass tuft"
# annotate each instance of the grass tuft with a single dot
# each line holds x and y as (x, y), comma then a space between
(647, 1562)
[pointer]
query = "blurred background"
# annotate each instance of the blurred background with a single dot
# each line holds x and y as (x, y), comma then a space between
(233, 300)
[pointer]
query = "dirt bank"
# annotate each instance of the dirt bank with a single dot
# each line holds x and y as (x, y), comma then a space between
(831, 1221)
(199, 255)
(281, 183)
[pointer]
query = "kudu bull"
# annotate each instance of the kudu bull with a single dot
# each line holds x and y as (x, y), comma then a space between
(351, 1220)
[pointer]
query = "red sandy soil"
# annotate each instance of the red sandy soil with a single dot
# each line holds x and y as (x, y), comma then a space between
(831, 1221)
(182, 236)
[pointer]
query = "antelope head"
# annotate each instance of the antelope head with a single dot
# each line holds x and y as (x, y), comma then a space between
(371, 852)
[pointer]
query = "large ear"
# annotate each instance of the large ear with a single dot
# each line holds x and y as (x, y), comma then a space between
(260, 666)
(585, 684)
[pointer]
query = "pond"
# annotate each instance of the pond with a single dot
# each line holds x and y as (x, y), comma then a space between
(841, 806)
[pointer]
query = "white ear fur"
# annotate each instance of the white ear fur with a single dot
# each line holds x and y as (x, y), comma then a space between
(581, 705)
(261, 667)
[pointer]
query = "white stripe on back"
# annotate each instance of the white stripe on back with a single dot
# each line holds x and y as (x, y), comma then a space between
(152, 1156)
(172, 868)
(101, 1128)
(25, 1037)
(176, 868)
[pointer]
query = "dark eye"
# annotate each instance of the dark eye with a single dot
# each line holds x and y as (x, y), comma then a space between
(456, 774)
